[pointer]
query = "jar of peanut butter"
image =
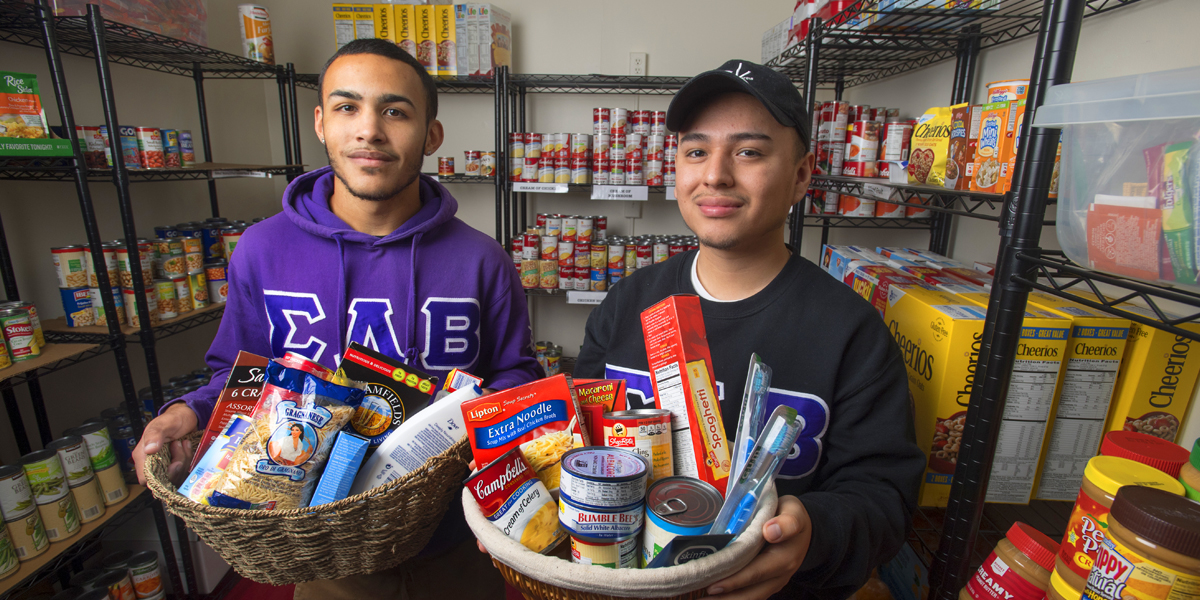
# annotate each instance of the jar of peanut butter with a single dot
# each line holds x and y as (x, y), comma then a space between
(1017, 569)
(1152, 551)
(1189, 474)
(1061, 590)
(1165, 456)
(1102, 477)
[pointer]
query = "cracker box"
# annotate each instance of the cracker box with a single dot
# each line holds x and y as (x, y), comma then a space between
(1095, 346)
(542, 418)
(1030, 402)
(682, 375)
(596, 397)
(238, 397)
(939, 336)
(395, 391)
(1156, 380)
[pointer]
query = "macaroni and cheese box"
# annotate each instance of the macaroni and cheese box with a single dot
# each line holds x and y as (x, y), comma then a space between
(385, 22)
(238, 397)
(682, 375)
(1156, 380)
(939, 336)
(1095, 346)
(395, 391)
(542, 418)
(596, 397)
(1029, 404)
(445, 37)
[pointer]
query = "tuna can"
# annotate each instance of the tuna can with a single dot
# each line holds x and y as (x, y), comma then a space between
(118, 584)
(604, 524)
(533, 145)
(548, 274)
(583, 254)
(618, 553)
(473, 160)
(187, 152)
(601, 121)
(616, 254)
(69, 265)
(654, 148)
(171, 156)
(603, 479)
(516, 145)
(18, 334)
(60, 517)
(218, 286)
(529, 273)
(16, 499)
(143, 570)
(677, 506)
(150, 147)
(530, 172)
(167, 303)
(487, 164)
(445, 166)
(199, 287)
(518, 250)
(183, 294)
(28, 535)
(598, 281)
(549, 247)
(660, 251)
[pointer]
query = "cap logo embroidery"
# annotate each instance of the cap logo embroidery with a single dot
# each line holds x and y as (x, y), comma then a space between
(745, 76)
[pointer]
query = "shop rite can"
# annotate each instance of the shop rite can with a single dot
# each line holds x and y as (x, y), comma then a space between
(18, 334)
(218, 286)
(187, 152)
(150, 147)
(603, 479)
(646, 432)
(621, 553)
(616, 254)
(566, 254)
(552, 225)
(677, 506)
(118, 584)
(549, 247)
(146, 576)
(69, 265)
(570, 228)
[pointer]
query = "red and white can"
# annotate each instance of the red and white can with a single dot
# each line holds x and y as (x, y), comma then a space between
(516, 145)
(616, 176)
(487, 164)
(581, 173)
(862, 150)
(530, 172)
(549, 246)
(563, 147)
(518, 250)
(879, 114)
(473, 162)
(645, 254)
(566, 277)
(633, 147)
(633, 171)
(601, 174)
(601, 228)
(601, 146)
(540, 220)
(654, 172)
(150, 148)
(655, 147)
(641, 122)
(584, 229)
(658, 122)
(601, 121)
(855, 112)
(531, 249)
(546, 171)
(566, 254)
(533, 145)
(620, 121)
(516, 169)
(675, 247)
(669, 174)
(553, 225)
(897, 136)
(660, 251)
(583, 249)
(445, 166)
(579, 145)
(569, 228)
(583, 278)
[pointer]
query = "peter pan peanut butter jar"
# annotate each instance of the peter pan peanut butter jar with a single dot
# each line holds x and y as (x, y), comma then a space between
(1152, 551)
(1189, 474)
(1102, 477)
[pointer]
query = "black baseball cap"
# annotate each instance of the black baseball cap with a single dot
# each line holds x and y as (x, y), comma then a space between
(769, 86)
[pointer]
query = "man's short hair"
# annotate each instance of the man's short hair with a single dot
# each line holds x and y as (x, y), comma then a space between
(385, 49)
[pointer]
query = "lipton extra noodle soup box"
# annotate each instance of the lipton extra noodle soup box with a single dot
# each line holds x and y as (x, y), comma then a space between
(542, 418)
(682, 376)
(1095, 346)
(1030, 402)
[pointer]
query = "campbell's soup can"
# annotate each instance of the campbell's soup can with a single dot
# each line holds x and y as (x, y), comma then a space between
(599, 255)
(582, 279)
(642, 122)
(654, 172)
(549, 247)
(601, 175)
(616, 254)
(658, 122)
(600, 227)
(620, 119)
(510, 495)
(518, 249)
(581, 173)
(645, 254)
(581, 254)
(552, 225)
(516, 145)
(548, 274)
(532, 145)
(562, 173)
(218, 284)
(655, 147)
(569, 228)
(445, 166)
(566, 254)
(675, 247)
(530, 171)
(532, 246)
(473, 158)
(540, 220)
(546, 171)
(633, 171)
(896, 139)
(601, 121)
(19, 335)
(566, 277)
(583, 229)
(601, 146)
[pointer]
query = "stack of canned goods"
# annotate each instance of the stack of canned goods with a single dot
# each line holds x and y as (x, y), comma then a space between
(624, 255)
(632, 147)
(550, 157)
(555, 254)
(21, 330)
(478, 163)
(549, 355)
(141, 147)
(122, 575)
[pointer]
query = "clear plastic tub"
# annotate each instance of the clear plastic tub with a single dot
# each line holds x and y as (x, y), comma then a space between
(1129, 189)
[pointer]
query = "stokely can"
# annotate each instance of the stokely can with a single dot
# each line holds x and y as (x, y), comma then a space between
(144, 571)
(620, 553)
(598, 282)
(38, 334)
(199, 287)
(603, 479)
(473, 161)
(445, 166)
(183, 295)
(677, 506)
(187, 152)
(516, 145)
(167, 304)
(487, 164)
(218, 286)
(18, 334)
(69, 265)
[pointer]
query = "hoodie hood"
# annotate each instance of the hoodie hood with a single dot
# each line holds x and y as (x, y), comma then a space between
(306, 203)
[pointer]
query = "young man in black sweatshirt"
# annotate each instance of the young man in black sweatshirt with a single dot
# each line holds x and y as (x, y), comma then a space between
(849, 487)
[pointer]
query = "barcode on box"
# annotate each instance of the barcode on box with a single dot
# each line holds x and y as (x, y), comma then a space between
(52, 533)
(91, 512)
(115, 495)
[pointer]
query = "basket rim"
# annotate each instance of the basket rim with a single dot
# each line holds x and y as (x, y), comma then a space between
(170, 492)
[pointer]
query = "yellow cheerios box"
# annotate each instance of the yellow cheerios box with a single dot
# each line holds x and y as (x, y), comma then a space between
(1030, 402)
(1085, 387)
(939, 338)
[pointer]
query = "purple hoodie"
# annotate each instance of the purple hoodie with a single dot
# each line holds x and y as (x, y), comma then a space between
(303, 281)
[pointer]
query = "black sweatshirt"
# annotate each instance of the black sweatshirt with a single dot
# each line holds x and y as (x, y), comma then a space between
(858, 467)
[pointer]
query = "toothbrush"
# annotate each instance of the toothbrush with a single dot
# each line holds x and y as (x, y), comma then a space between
(763, 464)
(754, 403)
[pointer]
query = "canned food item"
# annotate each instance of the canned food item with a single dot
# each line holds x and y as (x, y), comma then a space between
(118, 584)
(473, 161)
(145, 262)
(516, 145)
(529, 172)
(183, 294)
(73, 456)
(633, 171)
(549, 247)
(69, 265)
(600, 227)
(210, 239)
(599, 256)
(630, 258)
(529, 273)
(193, 261)
(1007, 90)
(150, 147)
(60, 517)
(445, 166)
(566, 277)
(18, 335)
(677, 506)
(669, 175)
(546, 171)
(112, 484)
(150, 301)
(38, 335)
(646, 432)
(98, 443)
(897, 136)
(199, 288)
(89, 500)
(168, 307)
(187, 152)
(660, 251)
(598, 282)
(230, 238)
(9, 562)
(145, 574)
(581, 173)
(861, 149)
(127, 138)
(171, 156)
(255, 25)
(607, 524)
(603, 479)
(511, 496)
(93, 145)
(610, 553)
(172, 266)
(218, 286)
(123, 442)
(533, 145)
(570, 228)
(619, 118)
(580, 144)
(601, 174)
(658, 122)
(28, 535)
(601, 121)
(100, 317)
(487, 164)
(566, 254)
(616, 254)
(548, 274)
(582, 255)
(109, 257)
(188, 245)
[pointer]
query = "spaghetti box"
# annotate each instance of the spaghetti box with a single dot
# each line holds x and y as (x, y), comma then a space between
(1095, 346)
(596, 397)
(238, 397)
(682, 375)
(395, 391)
(344, 460)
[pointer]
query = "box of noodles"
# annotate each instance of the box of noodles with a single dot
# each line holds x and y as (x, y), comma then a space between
(279, 461)
(542, 418)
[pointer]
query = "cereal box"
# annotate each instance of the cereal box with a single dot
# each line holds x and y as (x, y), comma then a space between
(542, 418)
(956, 162)
(992, 124)
(596, 397)
(1011, 144)
(384, 17)
(462, 43)
(972, 143)
(1093, 356)
(406, 33)
(682, 376)
(343, 24)
(445, 40)
(238, 397)
(930, 147)
(495, 39)
(424, 36)
(835, 258)
(1156, 380)
(364, 21)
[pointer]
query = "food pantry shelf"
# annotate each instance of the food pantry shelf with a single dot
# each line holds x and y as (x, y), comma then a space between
(460, 178)
(906, 39)
(63, 553)
(839, 221)
(956, 202)
(445, 85)
(1048, 517)
(585, 297)
(54, 356)
(57, 330)
(63, 169)
(20, 23)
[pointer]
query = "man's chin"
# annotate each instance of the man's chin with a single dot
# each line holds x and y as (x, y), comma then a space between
(373, 183)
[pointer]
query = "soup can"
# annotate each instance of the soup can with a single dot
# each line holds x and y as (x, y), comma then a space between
(510, 495)
(619, 118)
(546, 171)
(183, 294)
(28, 535)
(118, 584)
(533, 145)
(487, 164)
(598, 282)
(187, 152)
(566, 277)
(146, 575)
(472, 160)
(659, 251)
(549, 247)
(529, 170)
(603, 479)
(445, 166)
(548, 274)
(581, 173)
(570, 228)
(60, 518)
(584, 229)
(19, 335)
(582, 254)
(601, 121)
(602, 171)
(566, 254)
(69, 265)
(677, 506)
(616, 254)
(599, 256)
(218, 285)
(529, 273)
(199, 288)
(621, 553)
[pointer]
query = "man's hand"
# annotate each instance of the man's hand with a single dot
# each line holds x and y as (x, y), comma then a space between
(178, 421)
(788, 536)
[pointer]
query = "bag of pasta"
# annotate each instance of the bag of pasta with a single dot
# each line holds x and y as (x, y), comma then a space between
(278, 464)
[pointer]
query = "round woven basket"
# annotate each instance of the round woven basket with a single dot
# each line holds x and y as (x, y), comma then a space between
(540, 577)
(370, 532)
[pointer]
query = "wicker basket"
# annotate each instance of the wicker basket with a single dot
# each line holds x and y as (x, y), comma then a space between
(540, 577)
(370, 532)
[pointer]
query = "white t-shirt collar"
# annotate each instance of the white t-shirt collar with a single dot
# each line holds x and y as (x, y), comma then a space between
(700, 288)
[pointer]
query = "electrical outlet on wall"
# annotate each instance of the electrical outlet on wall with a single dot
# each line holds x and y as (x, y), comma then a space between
(637, 63)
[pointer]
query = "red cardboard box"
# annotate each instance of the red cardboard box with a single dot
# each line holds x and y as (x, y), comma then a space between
(596, 397)
(682, 374)
(238, 398)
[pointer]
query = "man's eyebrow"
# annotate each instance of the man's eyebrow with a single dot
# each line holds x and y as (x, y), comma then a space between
(384, 99)
(693, 137)
(736, 137)
(345, 94)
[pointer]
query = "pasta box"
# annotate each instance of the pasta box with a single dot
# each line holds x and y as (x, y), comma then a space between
(395, 391)
(596, 397)
(238, 397)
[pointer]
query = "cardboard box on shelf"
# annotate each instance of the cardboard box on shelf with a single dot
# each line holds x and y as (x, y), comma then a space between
(445, 40)
(406, 30)
(495, 39)
(423, 26)
(384, 16)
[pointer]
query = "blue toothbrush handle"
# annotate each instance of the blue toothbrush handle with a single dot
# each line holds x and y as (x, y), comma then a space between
(742, 514)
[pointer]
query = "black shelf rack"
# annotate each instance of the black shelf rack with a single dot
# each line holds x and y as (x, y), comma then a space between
(63, 169)
(844, 222)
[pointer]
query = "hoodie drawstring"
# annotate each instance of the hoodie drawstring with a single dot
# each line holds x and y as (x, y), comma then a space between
(342, 292)
(410, 353)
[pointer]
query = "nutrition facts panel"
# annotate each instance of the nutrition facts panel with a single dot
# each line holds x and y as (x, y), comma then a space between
(1026, 410)
(1078, 426)
(1087, 388)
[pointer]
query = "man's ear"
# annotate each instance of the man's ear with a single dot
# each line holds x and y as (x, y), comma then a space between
(434, 137)
(804, 172)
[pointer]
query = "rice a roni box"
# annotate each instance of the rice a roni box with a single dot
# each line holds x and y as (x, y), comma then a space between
(1156, 380)
(872, 283)
(1085, 386)
(1031, 399)
(239, 397)
(596, 397)
(682, 375)
(542, 418)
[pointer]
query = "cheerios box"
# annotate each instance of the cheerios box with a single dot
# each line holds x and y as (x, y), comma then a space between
(1156, 380)
(939, 338)
(1095, 346)
(1030, 402)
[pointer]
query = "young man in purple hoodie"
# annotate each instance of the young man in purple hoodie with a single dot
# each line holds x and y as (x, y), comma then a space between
(368, 250)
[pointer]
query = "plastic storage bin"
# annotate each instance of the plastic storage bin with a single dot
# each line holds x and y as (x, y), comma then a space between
(1129, 189)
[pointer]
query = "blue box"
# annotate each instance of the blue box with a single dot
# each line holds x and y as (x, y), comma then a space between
(77, 304)
(344, 462)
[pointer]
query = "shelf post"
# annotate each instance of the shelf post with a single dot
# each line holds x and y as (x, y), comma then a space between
(810, 93)
(281, 81)
(198, 77)
(1020, 228)
(291, 94)
(499, 141)
(501, 170)
(521, 126)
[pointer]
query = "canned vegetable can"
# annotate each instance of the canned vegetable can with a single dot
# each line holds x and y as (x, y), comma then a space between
(47, 480)
(89, 499)
(16, 499)
(144, 571)
(38, 335)
(69, 265)
(9, 562)
(28, 535)
(199, 287)
(60, 518)
(118, 585)
(677, 506)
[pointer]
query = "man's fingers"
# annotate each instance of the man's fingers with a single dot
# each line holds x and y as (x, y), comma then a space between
(787, 522)
(762, 567)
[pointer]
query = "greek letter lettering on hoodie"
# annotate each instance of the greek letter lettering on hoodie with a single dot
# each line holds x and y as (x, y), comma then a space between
(435, 293)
